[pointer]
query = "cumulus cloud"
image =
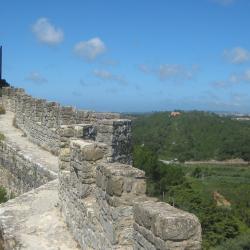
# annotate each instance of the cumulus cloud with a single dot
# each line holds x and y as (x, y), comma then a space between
(90, 49)
(36, 78)
(170, 71)
(167, 71)
(237, 55)
(240, 77)
(144, 68)
(234, 79)
(46, 32)
(108, 76)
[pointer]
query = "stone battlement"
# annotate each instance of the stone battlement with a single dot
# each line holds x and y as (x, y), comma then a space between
(41, 120)
(101, 195)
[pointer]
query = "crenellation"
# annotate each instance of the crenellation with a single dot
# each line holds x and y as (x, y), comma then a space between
(67, 115)
(161, 226)
(102, 197)
(40, 121)
(23, 173)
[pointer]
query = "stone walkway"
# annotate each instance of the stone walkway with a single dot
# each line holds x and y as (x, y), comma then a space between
(32, 221)
(34, 152)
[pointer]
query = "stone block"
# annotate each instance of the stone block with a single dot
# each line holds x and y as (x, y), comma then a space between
(160, 224)
(120, 179)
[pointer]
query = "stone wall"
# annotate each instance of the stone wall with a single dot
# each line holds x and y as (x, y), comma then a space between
(19, 173)
(102, 197)
(105, 206)
(41, 121)
(159, 226)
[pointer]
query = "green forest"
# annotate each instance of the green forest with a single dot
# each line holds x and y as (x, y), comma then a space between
(218, 194)
(193, 136)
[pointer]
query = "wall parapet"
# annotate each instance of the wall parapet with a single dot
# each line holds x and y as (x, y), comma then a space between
(101, 195)
(21, 173)
(105, 205)
(42, 120)
(161, 226)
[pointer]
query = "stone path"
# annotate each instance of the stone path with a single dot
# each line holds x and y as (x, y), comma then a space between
(34, 152)
(32, 221)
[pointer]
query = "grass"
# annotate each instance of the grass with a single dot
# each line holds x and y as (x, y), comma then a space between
(1, 137)
(3, 195)
(2, 110)
(232, 181)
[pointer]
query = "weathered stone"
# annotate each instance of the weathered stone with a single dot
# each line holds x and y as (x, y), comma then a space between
(92, 153)
(156, 221)
(115, 186)
(101, 197)
(32, 221)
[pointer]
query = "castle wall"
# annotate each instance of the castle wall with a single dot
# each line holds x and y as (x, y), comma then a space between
(19, 173)
(159, 226)
(105, 206)
(41, 121)
(101, 196)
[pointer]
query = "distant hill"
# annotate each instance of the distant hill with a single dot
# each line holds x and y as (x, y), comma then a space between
(192, 135)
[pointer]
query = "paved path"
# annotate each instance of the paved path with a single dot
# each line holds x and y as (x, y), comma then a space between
(32, 221)
(34, 152)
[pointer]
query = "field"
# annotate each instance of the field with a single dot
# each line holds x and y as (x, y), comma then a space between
(219, 196)
(232, 181)
(196, 136)
(218, 193)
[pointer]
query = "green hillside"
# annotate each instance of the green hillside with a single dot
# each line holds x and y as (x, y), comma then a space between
(193, 136)
(218, 194)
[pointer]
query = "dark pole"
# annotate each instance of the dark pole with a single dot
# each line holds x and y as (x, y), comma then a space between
(0, 62)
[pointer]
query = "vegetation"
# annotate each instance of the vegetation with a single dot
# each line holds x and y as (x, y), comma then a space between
(191, 188)
(193, 136)
(195, 188)
(2, 110)
(239, 243)
(3, 195)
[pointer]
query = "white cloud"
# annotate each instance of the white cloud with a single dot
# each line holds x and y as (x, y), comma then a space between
(237, 55)
(144, 68)
(234, 79)
(108, 76)
(167, 71)
(240, 77)
(170, 71)
(90, 49)
(36, 78)
(47, 33)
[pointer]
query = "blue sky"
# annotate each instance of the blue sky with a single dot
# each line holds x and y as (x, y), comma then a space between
(133, 55)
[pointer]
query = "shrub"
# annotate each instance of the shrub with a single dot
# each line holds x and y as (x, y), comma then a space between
(2, 110)
(3, 195)
(241, 242)
(1, 137)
